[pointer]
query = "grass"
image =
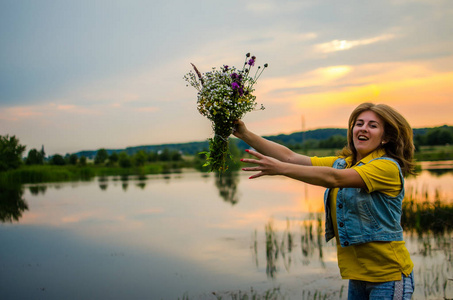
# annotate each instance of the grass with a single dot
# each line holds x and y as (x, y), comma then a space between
(434, 153)
(46, 173)
(52, 173)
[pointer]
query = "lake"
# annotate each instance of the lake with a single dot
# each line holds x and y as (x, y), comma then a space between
(192, 236)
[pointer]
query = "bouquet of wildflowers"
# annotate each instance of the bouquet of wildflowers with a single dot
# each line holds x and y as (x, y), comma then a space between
(224, 95)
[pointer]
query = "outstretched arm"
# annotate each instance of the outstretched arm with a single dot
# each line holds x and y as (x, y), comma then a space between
(321, 176)
(269, 148)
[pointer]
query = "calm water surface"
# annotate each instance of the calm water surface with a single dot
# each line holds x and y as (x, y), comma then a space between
(189, 235)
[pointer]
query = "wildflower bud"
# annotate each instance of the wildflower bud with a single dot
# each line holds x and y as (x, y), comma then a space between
(266, 65)
(247, 55)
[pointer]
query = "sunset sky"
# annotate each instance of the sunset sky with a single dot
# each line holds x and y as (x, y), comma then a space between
(87, 74)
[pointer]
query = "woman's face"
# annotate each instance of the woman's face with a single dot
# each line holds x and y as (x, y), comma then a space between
(368, 133)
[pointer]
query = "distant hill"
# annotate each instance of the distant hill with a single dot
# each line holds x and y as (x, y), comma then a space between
(192, 148)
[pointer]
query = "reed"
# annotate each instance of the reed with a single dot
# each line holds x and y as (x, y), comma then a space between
(270, 294)
(425, 211)
(51, 173)
(47, 173)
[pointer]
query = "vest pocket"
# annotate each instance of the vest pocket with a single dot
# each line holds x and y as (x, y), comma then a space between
(367, 215)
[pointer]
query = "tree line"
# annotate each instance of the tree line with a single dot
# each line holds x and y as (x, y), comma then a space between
(121, 159)
(11, 156)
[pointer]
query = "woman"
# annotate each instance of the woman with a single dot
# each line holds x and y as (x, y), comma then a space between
(365, 189)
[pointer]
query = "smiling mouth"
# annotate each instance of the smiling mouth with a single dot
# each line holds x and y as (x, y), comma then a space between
(362, 138)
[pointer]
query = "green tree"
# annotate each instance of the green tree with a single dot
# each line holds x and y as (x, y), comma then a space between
(73, 158)
(176, 156)
(113, 158)
(10, 153)
(34, 157)
(57, 160)
(101, 156)
(439, 136)
(419, 140)
(43, 153)
(333, 142)
(83, 160)
(153, 156)
(165, 155)
(140, 158)
(125, 160)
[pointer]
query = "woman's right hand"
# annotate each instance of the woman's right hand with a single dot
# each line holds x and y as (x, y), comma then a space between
(239, 129)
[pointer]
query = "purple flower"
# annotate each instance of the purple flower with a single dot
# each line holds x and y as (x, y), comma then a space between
(251, 62)
(234, 76)
(225, 68)
(241, 91)
(234, 85)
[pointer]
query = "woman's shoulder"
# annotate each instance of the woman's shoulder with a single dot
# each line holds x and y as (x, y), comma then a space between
(381, 174)
(386, 163)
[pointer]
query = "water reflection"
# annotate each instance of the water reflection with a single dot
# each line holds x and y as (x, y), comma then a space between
(125, 182)
(279, 247)
(104, 182)
(141, 185)
(433, 264)
(440, 172)
(37, 189)
(227, 184)
(437, 168)
(174, 227)
(12, 205)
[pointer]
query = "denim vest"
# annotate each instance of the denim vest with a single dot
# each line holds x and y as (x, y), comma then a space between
(365, 217)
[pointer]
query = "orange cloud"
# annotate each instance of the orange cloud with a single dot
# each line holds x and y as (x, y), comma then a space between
(20, 112)
(425, 92)
(326, 96)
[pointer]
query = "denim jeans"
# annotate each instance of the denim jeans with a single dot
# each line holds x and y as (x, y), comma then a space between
(391, 290)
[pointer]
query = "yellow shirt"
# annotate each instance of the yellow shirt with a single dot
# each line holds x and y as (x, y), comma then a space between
(374, 261)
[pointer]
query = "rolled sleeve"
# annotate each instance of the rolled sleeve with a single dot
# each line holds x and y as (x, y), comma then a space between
(323, 161)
